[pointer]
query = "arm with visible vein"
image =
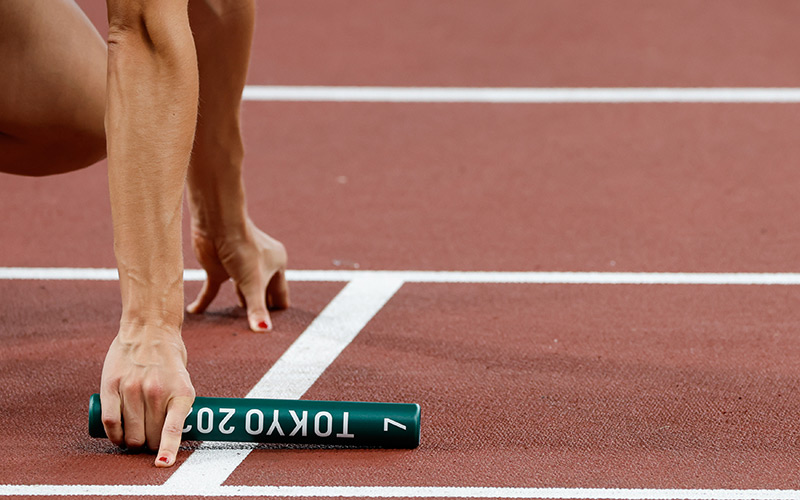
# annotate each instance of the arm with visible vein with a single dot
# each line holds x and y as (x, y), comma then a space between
(151, 110)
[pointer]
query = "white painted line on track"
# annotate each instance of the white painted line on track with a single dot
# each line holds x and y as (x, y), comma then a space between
(295, 371)
(58, 273)
(523, 94)
(584, 278)
(330, 332)
(599, 278)
(395, 491)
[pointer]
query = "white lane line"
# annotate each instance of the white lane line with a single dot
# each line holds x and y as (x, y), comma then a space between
(523, 94)
(197, 490)
(58, 273)
(295, 371)
(600, 278)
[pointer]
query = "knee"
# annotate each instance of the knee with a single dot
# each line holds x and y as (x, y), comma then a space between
(223, 8)
(48, 155)
(90, 148)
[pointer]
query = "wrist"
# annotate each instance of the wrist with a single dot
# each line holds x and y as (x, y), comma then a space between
(153, 302)
(216, 214)
(139, 330)
(158, 321)
(218, 211)
(215, 187)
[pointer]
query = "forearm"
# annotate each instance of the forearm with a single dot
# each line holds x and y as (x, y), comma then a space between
(151, 110)
(226, 242)
(223, 32)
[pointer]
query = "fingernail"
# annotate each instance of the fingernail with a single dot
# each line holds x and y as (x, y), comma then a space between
(263, 325)
(163, 459)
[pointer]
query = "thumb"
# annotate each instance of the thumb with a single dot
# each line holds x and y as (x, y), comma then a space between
(205, 297)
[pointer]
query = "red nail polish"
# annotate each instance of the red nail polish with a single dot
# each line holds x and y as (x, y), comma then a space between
(163, 459)
(263, 325)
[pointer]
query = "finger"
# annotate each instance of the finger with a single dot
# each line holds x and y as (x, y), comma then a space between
(177, 411)
(112, 416)
(242, 302)
(256, 298)
(133, 418)
(205, 297)
(155, 409)
(278, 291)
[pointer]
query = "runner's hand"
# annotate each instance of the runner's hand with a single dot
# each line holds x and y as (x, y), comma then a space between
(254, 261)
(145, 391)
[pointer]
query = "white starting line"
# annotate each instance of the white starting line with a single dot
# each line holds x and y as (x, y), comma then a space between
(366, 292)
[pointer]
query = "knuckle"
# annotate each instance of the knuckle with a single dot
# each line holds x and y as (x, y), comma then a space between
(173, 428)
(188, 392)
(183, 396)
(130, 387)
(153, 390)
(280, 256)
(109, 383)
(110, 420)
(134, 441)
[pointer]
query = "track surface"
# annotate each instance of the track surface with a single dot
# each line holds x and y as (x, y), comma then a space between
(652, 388)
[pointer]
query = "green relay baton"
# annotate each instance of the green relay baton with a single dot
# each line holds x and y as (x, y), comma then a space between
(338, 423)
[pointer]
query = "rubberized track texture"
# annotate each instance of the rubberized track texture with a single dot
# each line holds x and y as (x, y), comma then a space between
(568, 229)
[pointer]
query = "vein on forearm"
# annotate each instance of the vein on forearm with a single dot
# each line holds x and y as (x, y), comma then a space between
(150, 118)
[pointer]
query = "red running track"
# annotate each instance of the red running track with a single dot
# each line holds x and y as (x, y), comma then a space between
(521, 385)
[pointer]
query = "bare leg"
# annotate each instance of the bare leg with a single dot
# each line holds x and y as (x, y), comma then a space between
(52, 93)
